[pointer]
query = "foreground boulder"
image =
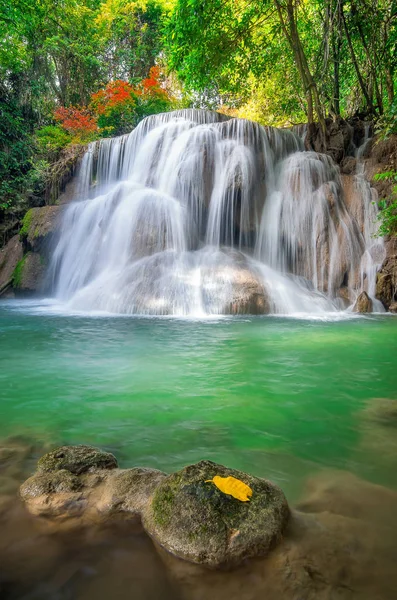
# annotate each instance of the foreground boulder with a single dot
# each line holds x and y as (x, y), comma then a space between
(76, 460)
(79, 485)
(205, 513)
(192, 518)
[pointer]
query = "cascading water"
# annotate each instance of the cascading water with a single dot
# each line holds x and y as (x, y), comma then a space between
(374, 252)
(195, 214)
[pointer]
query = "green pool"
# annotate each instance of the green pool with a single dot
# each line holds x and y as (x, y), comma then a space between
(277, 397)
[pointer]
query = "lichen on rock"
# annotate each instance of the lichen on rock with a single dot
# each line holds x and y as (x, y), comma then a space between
(76, 459)
(191, 518)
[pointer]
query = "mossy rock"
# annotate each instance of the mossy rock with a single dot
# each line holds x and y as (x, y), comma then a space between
(29, 274)
(50, 483)
(191, 518)
(39, 226)
(76, 459)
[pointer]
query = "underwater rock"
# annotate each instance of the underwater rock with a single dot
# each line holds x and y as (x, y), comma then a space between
(382, 411)
(76, 459)
(191, 518)
(363, 304)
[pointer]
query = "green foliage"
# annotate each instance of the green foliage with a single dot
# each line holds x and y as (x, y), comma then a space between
(55, 55)
(262, 52)
(15, 152)
(387, 124)
(388, 208)
(50, 139)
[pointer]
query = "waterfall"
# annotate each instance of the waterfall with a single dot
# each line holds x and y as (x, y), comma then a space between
(194, 213)
(374, 252)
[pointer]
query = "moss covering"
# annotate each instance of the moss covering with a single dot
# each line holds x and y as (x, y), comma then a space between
(194, 519)
(76, 459)
(26, 223)
(18, 272)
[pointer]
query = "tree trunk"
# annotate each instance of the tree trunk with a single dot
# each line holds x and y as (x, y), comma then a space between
(356, 67)
(290, 29)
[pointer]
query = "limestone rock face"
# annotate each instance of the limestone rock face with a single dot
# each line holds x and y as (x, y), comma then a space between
(10, 255)
(39, 227)
(193, 519)
(386, 283)
(29, 274)
(363, 304)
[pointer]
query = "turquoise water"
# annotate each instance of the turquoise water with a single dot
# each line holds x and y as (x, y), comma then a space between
(277, 397)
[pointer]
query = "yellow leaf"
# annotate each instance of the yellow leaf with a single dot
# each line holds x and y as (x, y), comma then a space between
(233, 487)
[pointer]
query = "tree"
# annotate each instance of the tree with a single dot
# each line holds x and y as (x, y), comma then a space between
(343, 60)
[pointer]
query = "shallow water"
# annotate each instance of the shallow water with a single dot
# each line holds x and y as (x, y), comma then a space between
(289, 399)
(278, 397)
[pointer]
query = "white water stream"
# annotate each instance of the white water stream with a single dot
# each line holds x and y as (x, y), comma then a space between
(196, 214)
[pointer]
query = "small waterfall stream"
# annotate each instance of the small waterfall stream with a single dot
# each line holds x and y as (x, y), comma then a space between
(197, 214)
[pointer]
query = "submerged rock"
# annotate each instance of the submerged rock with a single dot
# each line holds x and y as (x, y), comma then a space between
(193, 519)
(363, 304)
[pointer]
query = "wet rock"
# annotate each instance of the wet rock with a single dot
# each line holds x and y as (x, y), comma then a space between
(39, 227)
(338, 141)
(249, 296)
(29, 274)
(363, 304)
(10, 255)
(83, 483)
(191, 518)
(386, 282)
(344, 294)
(393, 307)
(128, 491)
(235, 285)
(50, 483)
(76, 459)
(348, 165)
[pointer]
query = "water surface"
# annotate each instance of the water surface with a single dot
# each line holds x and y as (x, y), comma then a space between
(278, 397)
